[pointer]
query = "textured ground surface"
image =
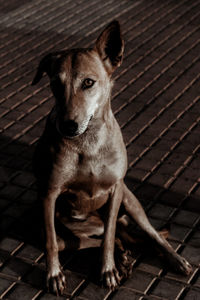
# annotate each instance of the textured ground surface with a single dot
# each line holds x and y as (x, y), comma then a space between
(155, 100)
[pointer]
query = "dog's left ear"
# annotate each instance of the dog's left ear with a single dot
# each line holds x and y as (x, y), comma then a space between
(110, 46)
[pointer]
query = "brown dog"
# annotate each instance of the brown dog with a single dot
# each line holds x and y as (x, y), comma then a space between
(81, 156)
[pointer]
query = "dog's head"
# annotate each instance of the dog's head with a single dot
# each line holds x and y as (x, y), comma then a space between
(80, 80)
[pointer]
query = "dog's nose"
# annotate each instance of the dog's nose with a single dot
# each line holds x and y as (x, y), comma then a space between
(69, 127)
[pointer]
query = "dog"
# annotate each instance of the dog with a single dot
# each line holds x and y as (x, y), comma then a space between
(81, 158)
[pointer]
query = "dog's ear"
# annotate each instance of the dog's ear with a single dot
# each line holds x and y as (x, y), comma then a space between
(110, 46)
(44, 66)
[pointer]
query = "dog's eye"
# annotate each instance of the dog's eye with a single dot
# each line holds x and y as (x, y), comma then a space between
(87, 83)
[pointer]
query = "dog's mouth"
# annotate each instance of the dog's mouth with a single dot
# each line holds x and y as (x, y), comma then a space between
(70, 129)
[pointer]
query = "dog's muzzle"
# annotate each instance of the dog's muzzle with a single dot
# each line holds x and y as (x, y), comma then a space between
(68, 128)
(71, 129)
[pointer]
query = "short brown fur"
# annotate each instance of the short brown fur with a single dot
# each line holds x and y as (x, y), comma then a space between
(81, 158)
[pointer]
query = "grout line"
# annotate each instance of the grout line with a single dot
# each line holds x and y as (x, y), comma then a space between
(17, 248)
(37, 295)
(7, 290)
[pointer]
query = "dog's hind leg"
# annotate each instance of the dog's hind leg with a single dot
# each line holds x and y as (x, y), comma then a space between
(126, 234)
(135, 210)
(78, 235)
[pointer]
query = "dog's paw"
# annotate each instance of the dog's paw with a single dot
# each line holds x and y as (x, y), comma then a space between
(180, 264)
(110, 278)
(183, 266)
(56, 282)
(124, 262)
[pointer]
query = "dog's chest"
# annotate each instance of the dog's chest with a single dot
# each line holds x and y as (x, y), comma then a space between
(95, 174)
(89, 188)
(96, 171)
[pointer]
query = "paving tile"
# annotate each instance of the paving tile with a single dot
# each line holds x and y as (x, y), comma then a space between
(186, 218)
(181, 278)
(16, 210)
(11, 191)
(24, 179)
(128, 294)
(13, 149)
(9, 244)
(76, 281)
(192, 204)
(17, 164)
(134, 151)
(167, 289)
(191, 174)
(182, 185)
(160, 179)
(191, 254)
(197, 192)
(195, 239)
(15, 268)
(171, 198)
(192, 294)
(48, 296)
(36, 277)
(22, 291)
(4, 256)
(161, 211)
(179, 232)
(5, 284)
(151, 265)
(197, 282)
(168, 167)
(28, 197)
(138, 174)
(29, 252)
(91, 290)
(5, 224)
(139, 281)
(147, 192)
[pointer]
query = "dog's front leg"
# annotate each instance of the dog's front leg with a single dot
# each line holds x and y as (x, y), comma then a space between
(135, 210)
(110, 275)
(55, 278)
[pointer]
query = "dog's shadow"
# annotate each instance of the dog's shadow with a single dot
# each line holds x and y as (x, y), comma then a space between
(19, 209)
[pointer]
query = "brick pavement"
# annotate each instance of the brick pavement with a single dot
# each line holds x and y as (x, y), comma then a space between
(156, 102)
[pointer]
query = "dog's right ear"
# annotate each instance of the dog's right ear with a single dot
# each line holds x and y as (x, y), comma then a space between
(110, 46)
(44, 66)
